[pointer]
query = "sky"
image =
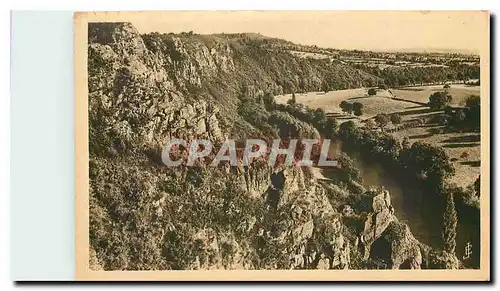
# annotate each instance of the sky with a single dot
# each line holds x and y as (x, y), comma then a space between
(365, 30)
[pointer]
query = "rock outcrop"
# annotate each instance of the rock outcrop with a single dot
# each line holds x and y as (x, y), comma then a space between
(380, 216)
(388, 242)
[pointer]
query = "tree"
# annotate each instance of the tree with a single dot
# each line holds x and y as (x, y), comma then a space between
(396, 119)
(319, 119)
(346, 129)
(449, 225)
(474, 112)
(269, 102)
(346, 107)
(382, 120)
(309, 115)
(348, 170)
(293, 100)
(430, 163)
(325, 87)
(439, 100)
(372, 91)
(357, 108)
(405, 144)
(330, 127)
(459, 116)
(477, 186)
(473, 101)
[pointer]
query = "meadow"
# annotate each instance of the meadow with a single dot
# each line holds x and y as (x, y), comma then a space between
(460, 92)
(463, 148)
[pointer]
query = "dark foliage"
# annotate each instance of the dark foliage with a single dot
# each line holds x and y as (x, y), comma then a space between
(439, 100)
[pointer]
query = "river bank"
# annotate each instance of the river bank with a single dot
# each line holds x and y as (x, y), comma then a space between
(412, 206)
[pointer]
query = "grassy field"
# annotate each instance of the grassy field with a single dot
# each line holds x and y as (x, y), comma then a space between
(459, 92)
(462, 148)
(330, 101)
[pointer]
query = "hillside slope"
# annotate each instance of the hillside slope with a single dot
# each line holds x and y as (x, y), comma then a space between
(144, 89)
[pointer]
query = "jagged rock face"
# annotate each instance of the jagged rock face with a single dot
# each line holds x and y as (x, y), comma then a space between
(387, 240)
(132, 95)
(199, 119)
(293, 181)
(379, 217)
(219, 251)
(257, 178)
(315, 228)
(405, 252)
(121, 36)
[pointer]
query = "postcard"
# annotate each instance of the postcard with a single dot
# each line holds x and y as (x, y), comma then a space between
(282, 145)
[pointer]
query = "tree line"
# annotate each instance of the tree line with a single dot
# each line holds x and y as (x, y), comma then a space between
(404, 76)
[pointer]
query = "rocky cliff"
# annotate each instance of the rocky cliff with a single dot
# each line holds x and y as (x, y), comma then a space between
(148, 79)
(144, 89)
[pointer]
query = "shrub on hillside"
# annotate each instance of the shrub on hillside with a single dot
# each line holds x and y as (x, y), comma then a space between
(396, 119)
(439, 100)
(382, 120)
(357, 108)
(346, 107)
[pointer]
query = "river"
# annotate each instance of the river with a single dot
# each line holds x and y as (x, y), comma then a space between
(406, 198)
(424, 217)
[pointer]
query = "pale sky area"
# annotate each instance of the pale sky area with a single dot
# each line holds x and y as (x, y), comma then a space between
(344, 30)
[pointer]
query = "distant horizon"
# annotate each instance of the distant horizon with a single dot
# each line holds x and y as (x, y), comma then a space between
(397, 50)
(378, 31)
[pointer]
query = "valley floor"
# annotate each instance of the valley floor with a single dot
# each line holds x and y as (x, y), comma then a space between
(463, 148)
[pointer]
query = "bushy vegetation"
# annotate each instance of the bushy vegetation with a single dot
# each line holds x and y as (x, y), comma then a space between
(382, 120)
(326, 126)
(347, 172)
(463, 118)
(396, 119)
(257, 115)
(350, 108)
(477, 186)
(357, 108)
(346, 107)
(164, 219)
(439, 100)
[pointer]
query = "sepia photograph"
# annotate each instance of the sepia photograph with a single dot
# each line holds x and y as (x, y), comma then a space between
(282, 145)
